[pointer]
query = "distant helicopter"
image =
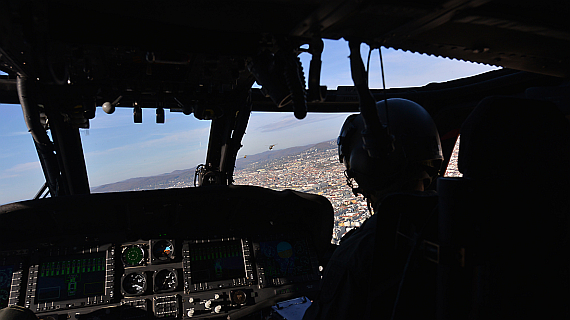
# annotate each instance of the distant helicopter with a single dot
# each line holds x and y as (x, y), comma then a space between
(271, 146)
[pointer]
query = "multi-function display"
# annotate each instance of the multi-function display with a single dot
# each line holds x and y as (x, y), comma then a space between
(71, 277)
(216, 261)
(284, 258)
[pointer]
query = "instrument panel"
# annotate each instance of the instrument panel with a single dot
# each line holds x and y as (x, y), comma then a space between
(162, 278)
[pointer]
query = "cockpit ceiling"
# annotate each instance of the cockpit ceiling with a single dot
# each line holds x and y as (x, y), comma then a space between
(522, 35)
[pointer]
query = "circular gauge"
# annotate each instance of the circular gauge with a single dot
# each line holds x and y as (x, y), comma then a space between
(134, 283)
(300, 248)
(5, 277)
(268, 251)
(133, 255)
(284, 250)
(165, 280)
(163, 250)
(238, 297)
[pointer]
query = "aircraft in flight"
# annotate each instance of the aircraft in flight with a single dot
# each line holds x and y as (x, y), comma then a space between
(222, 250)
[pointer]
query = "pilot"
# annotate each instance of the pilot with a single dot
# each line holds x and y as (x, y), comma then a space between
(363, 279)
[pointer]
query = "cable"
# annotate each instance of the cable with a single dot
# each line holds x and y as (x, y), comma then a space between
(383, 83)
(368, 66)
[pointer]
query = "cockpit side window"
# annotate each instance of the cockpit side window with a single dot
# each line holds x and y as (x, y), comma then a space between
(452, 170)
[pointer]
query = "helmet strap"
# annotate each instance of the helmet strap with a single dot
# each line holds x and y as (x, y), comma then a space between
(368, 204)
(350, 183)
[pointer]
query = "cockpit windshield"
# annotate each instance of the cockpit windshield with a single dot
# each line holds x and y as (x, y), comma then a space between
(123, 156)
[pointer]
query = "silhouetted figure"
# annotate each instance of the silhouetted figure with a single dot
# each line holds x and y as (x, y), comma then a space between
(363, 278)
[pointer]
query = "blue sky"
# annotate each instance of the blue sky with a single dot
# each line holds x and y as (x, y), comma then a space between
(117, 149)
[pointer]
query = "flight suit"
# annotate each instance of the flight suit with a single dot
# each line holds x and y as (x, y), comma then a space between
(363, 278)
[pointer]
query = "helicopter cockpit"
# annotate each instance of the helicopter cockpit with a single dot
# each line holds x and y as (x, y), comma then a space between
(219, 250)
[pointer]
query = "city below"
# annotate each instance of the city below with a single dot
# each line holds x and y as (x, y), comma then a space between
(314, 170)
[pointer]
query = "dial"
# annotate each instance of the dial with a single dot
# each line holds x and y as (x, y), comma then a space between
(135, 283)
(238, 297)
(133, 255)
(165, 280)
(163, 250)
(5, 277)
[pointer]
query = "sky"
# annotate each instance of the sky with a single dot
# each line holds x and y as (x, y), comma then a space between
(117, 149)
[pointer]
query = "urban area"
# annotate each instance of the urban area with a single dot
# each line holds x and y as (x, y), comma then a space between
(315, 170)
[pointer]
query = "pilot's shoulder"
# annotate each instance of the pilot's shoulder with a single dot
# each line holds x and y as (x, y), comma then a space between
(358, 241)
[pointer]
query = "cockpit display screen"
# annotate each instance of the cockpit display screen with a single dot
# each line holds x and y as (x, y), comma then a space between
(71, 277)
(5, 282)
(284, 258)
(216, 261)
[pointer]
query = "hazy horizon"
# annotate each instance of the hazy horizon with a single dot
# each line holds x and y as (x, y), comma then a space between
(237, 161)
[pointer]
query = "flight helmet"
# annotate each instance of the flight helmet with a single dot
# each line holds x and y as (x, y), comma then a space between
(417, 149)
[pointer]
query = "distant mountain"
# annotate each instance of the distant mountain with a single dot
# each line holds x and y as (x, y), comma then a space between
(185, 177)
(325, 145)
(176, 178)
(242, 163)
